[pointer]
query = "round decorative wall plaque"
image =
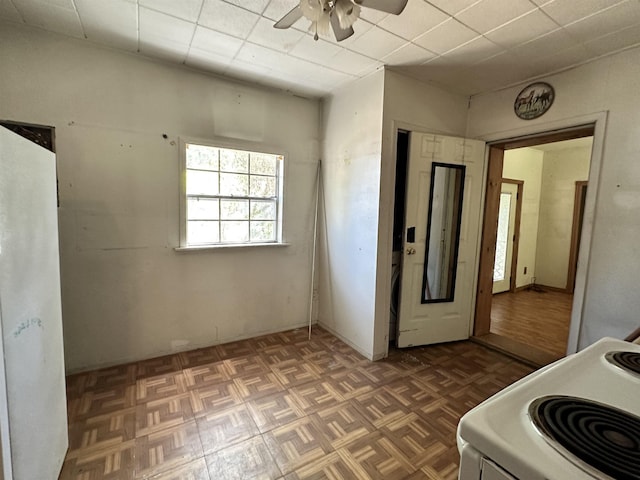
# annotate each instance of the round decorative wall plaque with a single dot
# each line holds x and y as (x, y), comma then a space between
(534, 100)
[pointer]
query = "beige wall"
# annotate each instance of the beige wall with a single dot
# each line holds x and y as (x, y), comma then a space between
(607, 90)
(526, 164)
(352, 124)
(561, 169)
(126, 293)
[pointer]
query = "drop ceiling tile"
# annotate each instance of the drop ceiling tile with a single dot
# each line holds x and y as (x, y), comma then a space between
(446, 36)
(489, 14)
(551, 42)
(249, 72)
(164, 36)
(283, 66)
(227, 18)
(279, 8)
(208, 61)
(614, 41)
(206, 40)
(567, 11)
(376, 43)
(606, 21)
(320, 51)
(56, 16)
(474, 51)
(566, 58)
(185, 9)
(9, 12)
(113, 23)
(416, 19)
(256, 6)
(354, 63)
(532, 25)
(408, 54)
(283, 40)
(452, 7)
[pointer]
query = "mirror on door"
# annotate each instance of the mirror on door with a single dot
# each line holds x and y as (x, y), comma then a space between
(443, 232)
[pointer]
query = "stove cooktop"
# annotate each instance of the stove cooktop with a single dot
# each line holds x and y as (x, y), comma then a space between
(502, 428)
(628, 361)
(596, 435)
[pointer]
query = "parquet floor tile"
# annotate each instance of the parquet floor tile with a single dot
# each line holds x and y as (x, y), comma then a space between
(247, 460)
(110, 463)
(102, 431)
(195, 470)
(160, 386)
(317, 395)
(201, 356)
(296, 444)
(379, 457)
(221, 428)
(275, 410)
(342, 424)
(214, 397)
(205, 375)
(163, 413)
(167, 449)
(280, 406)
(158, 366)
(101, 402)
(256, 385)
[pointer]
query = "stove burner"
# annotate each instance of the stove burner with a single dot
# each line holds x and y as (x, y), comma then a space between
(629, 361)
(601, 436)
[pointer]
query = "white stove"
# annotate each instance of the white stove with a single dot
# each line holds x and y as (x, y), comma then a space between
(589, 403)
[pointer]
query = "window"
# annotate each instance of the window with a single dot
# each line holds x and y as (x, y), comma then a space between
(231, 196)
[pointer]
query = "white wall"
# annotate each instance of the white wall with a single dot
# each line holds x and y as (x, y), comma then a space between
(561, 169)
(352, 124)
(415, 106)
(610, 84)
(526, 164)
(127, 294)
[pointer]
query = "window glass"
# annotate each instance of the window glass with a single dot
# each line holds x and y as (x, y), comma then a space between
(232, 196)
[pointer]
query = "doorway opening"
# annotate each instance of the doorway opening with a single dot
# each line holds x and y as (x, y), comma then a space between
(402, 158)
(533, 220)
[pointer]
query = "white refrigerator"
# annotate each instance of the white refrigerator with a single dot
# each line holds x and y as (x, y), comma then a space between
(33, 413)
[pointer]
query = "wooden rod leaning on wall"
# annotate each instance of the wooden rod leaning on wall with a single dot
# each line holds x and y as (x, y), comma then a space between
(633, 335)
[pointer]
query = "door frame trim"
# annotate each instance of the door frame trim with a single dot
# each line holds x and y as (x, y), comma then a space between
(516, 231)
(598, 121)
(578, 220)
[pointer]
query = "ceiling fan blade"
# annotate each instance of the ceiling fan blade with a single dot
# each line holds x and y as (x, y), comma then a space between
(390, 6)
(340, 33)
(290, 18)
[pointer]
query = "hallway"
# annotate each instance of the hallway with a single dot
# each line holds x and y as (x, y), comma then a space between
(539, 319)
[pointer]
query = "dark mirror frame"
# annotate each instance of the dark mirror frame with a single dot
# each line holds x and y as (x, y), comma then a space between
(457, 219)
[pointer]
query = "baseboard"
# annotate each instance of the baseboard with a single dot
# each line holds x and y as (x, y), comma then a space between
(537, 286)
(188, 347)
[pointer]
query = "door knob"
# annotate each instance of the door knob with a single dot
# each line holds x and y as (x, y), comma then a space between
(411, 251)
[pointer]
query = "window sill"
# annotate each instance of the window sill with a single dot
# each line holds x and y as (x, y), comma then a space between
(200, 248)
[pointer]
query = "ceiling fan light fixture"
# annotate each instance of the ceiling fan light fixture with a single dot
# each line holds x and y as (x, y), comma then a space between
(347, 12)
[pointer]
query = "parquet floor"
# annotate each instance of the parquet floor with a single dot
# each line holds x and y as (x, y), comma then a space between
(280, 407)
(538, 319)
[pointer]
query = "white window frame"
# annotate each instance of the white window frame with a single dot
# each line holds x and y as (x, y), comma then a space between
(232, 145)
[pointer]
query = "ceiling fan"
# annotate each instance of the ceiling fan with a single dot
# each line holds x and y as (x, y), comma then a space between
(339, 15)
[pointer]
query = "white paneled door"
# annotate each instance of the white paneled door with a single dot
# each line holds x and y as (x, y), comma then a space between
(426, 316)
(33, 411)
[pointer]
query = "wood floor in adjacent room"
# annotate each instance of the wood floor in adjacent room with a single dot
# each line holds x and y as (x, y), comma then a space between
(280, 407)
(536, 318)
